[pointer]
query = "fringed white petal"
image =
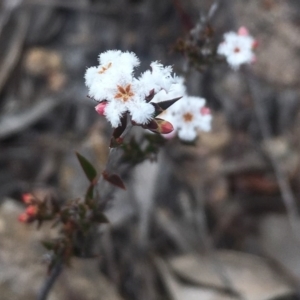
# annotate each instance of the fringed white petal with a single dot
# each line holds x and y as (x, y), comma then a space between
(141, 112)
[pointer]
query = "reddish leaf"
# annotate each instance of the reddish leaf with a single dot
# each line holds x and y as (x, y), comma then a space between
(150, 96)
(120, 129)
(152, 125)
(114, 179)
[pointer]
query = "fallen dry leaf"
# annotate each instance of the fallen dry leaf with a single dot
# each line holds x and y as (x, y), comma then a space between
(249, 275)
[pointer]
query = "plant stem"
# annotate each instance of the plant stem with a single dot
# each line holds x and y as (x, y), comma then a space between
(287, 195)
(50, 281)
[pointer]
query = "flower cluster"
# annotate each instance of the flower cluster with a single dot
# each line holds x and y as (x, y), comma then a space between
(120, 93)
(31, 210)
(187, 115)
(238, 48)
(38, 209)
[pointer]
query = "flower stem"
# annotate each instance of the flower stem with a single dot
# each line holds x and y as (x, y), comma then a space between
(50, 281)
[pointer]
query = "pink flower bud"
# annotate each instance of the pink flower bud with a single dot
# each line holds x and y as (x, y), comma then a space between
(253, 60)
(23, 218)
(165, 127)
(243, 31)
(100, 108)
(255, 44)
(27, 198)
(205, 111)
(159, 126)
(31, 210)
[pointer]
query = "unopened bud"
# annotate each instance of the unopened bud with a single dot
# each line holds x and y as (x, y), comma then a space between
(255, 44)
(27, 198)
(205, 111)
(23, 218)
(243, 31)
(165, 127)
(31, 210)
(159, 126)
(100, 108)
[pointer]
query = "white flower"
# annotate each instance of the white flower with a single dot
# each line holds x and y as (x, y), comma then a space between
(114, 64)
(237, 48)
(188, 115)
(176, 90)
(122, 60)
(158, 78)
(113, 82)
(123, 97)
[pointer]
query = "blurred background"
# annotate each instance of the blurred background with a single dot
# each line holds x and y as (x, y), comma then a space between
(218, 220)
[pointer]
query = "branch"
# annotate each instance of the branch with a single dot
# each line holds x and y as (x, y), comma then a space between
(284, 186)
(12, 124)
(14, 51)
(102, 9)
(213, 9)
(113, 165)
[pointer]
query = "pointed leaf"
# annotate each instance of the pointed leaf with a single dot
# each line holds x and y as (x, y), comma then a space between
(114, 179)
(157, 109)
(101, 218)
(120, 129)
(166, 104)
(48, 245)
(87, 167)
(150, 96)
(90, 192)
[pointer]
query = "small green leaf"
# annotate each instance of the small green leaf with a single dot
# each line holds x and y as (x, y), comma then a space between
(87, 167)
(101, 218)
(48, 245)
(90, 192)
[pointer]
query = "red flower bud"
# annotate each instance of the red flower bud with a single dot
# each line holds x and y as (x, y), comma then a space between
(165, 127)
(159, 126)
(100, 108)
